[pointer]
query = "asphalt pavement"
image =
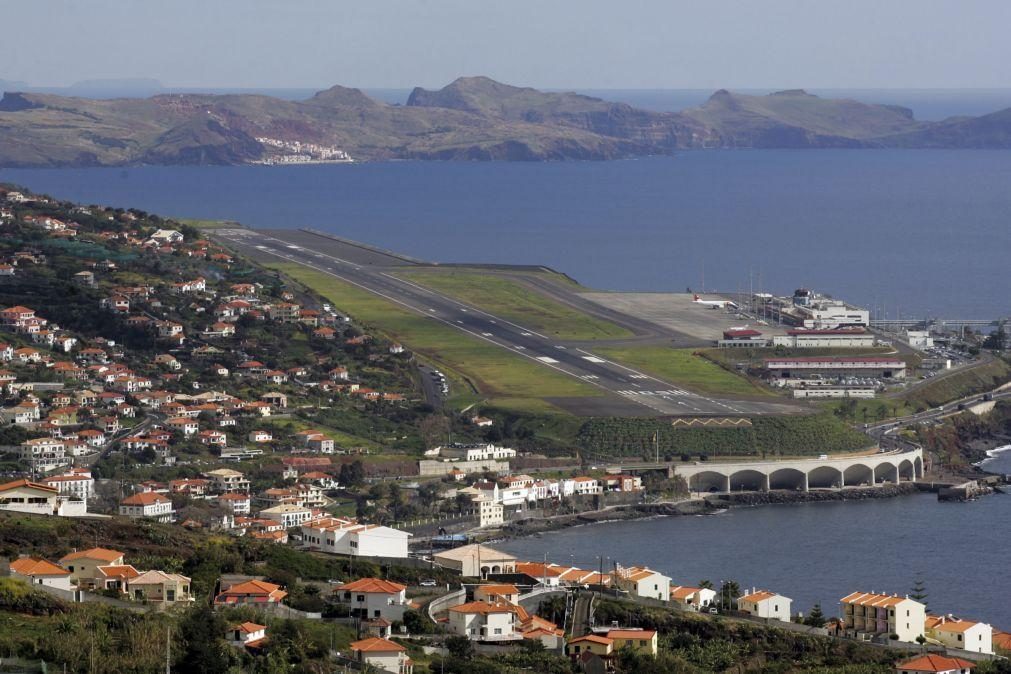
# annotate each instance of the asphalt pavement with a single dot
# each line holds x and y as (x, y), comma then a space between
(627, 392)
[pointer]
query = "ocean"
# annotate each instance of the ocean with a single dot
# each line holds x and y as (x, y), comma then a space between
(907, 233)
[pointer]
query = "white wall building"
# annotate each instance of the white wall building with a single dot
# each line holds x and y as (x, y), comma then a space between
(374, 598)
(875, 614)
(643, 582)
(481, 621)
(288, 515)
(147, 504)
(962, 634)
(765, 604)
(347, 537)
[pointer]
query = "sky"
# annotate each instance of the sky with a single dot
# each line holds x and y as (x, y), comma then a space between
(623, 44)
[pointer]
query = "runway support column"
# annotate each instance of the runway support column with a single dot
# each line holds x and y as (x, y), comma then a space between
(806, 486)
(727, 483)
(768, 483)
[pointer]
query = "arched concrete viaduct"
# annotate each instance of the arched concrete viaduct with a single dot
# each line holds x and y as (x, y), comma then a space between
(801, 474)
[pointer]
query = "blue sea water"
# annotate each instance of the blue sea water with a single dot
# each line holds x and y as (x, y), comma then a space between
(906, 233)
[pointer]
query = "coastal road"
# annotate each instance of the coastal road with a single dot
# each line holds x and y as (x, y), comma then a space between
(628, 392)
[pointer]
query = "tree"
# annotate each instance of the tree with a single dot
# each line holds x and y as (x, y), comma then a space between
(459, 647)
(433, 429)
(729, 592)
(202, 631)
(919, 589)
(352, 474)
(706, 584)
(816, 618)
(996, 340)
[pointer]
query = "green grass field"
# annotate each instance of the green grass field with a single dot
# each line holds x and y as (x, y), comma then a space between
(681, 367)
(504, 379)
(520, 304)
(208, 224)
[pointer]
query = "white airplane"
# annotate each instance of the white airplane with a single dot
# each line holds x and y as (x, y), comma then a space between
(713, 304)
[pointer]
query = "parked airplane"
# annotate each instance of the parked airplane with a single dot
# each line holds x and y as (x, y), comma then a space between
(713, 304)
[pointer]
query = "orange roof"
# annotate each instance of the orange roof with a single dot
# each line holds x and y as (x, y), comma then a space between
(255, 587)
(497, 589)
(144, 499)
(36, 566)
(537, 569)
(594, 638)
(118, 571)
(760, 595)
(934, 663)
(249, 627)
(376, 645)
(372, 585)
(1002, 640)
(26, 483)
(103, 554)
(631, 634)
(680, 592)
(872, 599)
(953, 625)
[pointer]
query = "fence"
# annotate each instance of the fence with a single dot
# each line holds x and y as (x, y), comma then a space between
(444, 602)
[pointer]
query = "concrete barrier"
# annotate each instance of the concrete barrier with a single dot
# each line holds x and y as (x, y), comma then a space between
(444, 602)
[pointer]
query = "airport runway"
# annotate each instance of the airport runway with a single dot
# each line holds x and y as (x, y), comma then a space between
(628, 392)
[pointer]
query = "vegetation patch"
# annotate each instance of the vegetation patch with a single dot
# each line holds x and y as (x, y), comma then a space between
(683, 367)
(767, 436)
(516, 302)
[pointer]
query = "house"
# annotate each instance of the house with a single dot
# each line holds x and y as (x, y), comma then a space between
(166, 236)
(83, 565)
(935, 664)
(595, 644)
(496, 593)
(37, 571)
(115, 577)
(227, 481)
(256, 592)
(692, 597)
(373, 598)
(642, 640)
(584, 486)
(184, 425)
(490, 513)
(964, 635)
(259, 436)
(382, 654)
(246, 635)
(482, 621)
(643, 582)
(77, 483)
(349, 537)
(871, 614)
(43, 454)
(476, 561)
(30, 497)
(765, 604)
(289, 515)
(148, 505)
(160, 587)
(235, 503)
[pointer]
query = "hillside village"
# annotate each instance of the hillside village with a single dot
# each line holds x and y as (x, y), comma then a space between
(152, 378)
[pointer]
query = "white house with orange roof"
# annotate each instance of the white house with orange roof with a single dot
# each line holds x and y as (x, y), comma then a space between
(149, 505)
(374, 598)
(765, 604)
(494, 593)
(870, 613)
(237, 504)
(38, 571)
(643, 582)
(382, 654)
(934, 663)
(695, 598)
(348, 537)
(483, 621)
(246, 635)
(965, 635)
(76, 483)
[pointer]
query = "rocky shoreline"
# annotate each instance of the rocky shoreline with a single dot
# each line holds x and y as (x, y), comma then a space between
(708, 505)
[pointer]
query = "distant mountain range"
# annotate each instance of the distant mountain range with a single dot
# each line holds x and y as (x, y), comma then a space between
(473, 118)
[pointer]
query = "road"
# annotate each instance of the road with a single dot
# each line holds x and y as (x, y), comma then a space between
(628, 392)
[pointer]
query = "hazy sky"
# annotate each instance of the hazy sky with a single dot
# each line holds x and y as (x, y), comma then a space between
(547, 43)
